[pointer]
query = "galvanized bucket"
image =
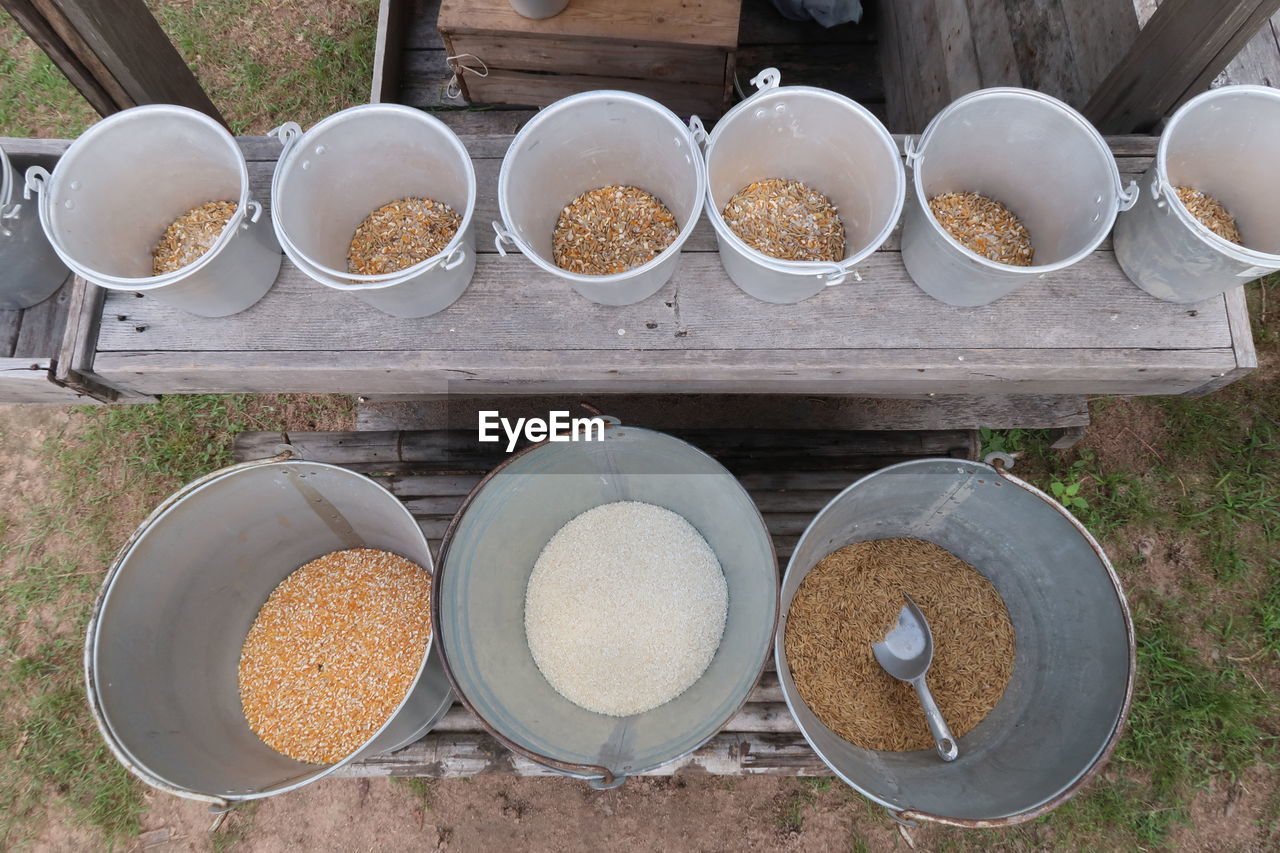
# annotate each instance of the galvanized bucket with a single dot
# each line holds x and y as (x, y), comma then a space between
(822, 139)
(539, 9)
(489, 553)
(1065, 706)
(330, 178)
(588, 141)
(126, 179)
(1032, 153)
(164, 642)
(30, 271)
(1223, 143)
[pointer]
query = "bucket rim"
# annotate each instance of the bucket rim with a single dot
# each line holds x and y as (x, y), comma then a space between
(570, 769)
(152, 282)
(1034, 270)
(353, 282)
(1086, 775)
(677, 245)
(7, 184)
(93, 630)
(1241, 254)
(805, 268)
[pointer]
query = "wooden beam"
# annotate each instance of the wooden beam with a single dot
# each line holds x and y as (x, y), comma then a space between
(113, 51)
(1176, 56)
(393, 19)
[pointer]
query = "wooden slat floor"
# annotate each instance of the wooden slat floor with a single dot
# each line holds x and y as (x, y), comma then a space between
(842, 58)
(791, 474)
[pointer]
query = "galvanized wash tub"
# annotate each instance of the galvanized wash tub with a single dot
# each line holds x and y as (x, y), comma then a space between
(126, 179)
(1065, 706)
(592, 140)
(165, 637)
(1032, 153)
(1225, 143)
(488, 555)
(827, 142)
(30, 271)
(329, 179)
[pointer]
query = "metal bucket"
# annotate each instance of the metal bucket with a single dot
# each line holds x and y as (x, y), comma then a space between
(1223, 143)
(1065, 706)
(164, 642)
(126, 179)
(329, 179)
(30, 271)
(1032, 153)
(539, 9)
(588, 141)
(488, 555)
(824, 140)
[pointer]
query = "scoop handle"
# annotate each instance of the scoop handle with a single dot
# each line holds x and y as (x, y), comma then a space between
(942, 737)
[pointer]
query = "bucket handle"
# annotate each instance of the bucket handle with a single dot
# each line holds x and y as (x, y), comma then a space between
(1128, 196)
(254, 214)
(911, 149)
(1159, 192)
(699, 131)
(503, 237)
(839, 274)
(768, 78)
(36, 178)
(288, 134)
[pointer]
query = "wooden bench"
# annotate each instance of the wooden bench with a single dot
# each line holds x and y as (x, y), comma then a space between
(790, 473)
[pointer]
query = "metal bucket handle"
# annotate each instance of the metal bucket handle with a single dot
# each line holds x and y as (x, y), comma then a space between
(503, 236)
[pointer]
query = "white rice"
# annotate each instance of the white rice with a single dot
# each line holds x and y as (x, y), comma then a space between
(625, 608)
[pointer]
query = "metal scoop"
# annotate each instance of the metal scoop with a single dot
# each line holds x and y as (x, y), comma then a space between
(906, 653)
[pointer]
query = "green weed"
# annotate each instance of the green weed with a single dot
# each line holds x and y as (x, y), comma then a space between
(417, 787)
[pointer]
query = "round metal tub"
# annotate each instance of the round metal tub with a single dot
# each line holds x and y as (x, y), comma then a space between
(489, 552)
(1065, 706)
(30, 271)
(163, 648)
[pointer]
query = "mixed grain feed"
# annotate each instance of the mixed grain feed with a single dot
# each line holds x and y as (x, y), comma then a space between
(333, 652)
(191, 235)
(625, 608)
(611, 230)
(786, 220)
(851, 599)
(1210, 213)
(985, 227)
(401, 234)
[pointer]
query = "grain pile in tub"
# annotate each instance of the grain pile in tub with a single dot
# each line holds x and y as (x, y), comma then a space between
(786, 220)
(191, 235)
(851, 599)
(625, 608)
(401, 234)
(985, 227)
(612, 229)
(333, 652)
(1210, 213)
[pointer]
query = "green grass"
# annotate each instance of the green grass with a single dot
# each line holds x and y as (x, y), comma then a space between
(417, 787)
(34, 96)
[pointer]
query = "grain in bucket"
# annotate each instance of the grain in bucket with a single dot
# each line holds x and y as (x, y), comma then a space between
(1035, 157)
(369, 178)
(1221, 145)
(590, 142)
(120, 186)
(848, 170)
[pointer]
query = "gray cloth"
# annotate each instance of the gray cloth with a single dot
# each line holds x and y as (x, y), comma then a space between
(825, 12)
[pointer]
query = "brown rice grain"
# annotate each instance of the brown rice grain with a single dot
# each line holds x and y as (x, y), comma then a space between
(851, 599)
(611, 230)
(333, 652)
(786, 220)
(398, 235)
(191, 235)
(1210, 213)
(985, 227)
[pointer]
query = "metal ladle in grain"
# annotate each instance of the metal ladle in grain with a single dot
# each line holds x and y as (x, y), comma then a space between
(985, 227)
(786, 220)
(612, 229)
(401, 234)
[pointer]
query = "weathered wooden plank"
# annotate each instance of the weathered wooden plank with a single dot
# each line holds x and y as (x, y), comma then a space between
(422, 31)
(667, 411)
(523, 52)
(10, 322)
(1183, 47)
(855, 372)
(1044, 62)
(540, 90)
(772, 717)
(512, 305)
(1259, 61)
(26, 380)
(42, 326)
(1100, 34)
(850, 69)
(1242, 334)
(74, 367)
(426, 74)
(388, 50)
(711, 23)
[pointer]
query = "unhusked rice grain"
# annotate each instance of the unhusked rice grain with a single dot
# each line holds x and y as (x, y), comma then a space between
(400, 234)
(852, 598)
(1210, 213)
(191, 235)
(333, 652)
(625, 608)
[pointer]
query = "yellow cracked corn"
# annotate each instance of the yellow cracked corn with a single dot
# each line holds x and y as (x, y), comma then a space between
(985, 227)
(191, 235)
(333, 652)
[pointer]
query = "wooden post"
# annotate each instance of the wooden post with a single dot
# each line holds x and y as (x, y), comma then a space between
(113, 51)
(1176, 56)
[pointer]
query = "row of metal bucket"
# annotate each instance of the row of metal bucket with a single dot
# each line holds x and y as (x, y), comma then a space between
(126, 178)
(165, 637)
